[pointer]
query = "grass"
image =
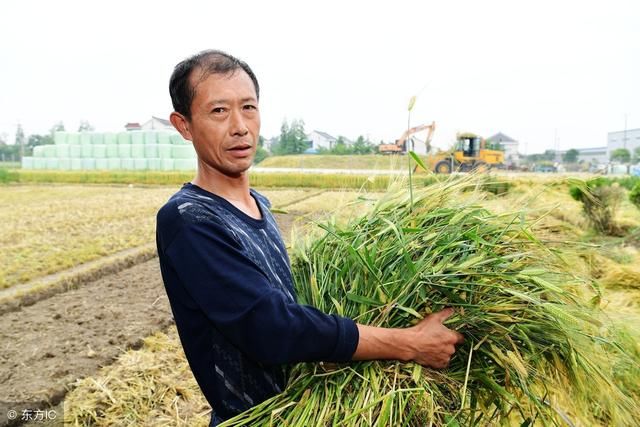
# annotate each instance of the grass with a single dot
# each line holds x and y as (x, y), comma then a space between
(10, 165)
(492, 183)
(319, 161)
(258, 180)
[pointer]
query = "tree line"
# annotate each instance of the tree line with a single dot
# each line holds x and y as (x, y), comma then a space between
(293, 140)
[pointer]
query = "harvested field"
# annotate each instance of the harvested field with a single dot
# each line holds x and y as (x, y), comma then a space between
(48, 228)
(91, 327)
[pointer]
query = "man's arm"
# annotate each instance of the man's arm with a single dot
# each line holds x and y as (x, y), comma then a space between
(428, 343)
(212, 273)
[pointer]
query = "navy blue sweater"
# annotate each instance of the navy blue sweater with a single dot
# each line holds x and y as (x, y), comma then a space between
(229, 283)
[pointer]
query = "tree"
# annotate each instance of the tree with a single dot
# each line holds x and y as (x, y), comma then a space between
(9, 153)
(58, 127)
(85, 126)
(363, 146)
(340, 147)
(571, 156)
(279, 146)
(621, 155)
(636, 154)
(261, 154)
(292, 138)
(34, 141)
(494, 145)
(548, 155)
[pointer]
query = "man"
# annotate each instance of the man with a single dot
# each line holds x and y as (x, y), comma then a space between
(225, 267)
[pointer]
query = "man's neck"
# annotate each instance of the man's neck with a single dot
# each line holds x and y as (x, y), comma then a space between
(233, 189)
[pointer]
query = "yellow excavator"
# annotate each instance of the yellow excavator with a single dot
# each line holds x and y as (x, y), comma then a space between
(469, 153)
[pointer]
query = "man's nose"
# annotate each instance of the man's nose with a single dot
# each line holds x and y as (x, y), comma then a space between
(238, 125)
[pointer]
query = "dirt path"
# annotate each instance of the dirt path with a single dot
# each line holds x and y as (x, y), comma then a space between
(47, 346)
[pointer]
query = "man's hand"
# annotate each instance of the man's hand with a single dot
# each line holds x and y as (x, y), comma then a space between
(434, 343)
(428, 343)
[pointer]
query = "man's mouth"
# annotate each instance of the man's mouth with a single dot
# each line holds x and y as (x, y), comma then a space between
(241, 150)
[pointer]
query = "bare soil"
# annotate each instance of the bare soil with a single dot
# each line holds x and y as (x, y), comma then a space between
(47, 346)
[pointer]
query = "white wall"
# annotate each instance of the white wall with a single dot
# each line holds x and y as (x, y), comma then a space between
(593, 157)
(319, 141)
(511, 152)
(616, 140)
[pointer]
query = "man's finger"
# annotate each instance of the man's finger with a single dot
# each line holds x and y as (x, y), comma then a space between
(459, 337)
(444, 314)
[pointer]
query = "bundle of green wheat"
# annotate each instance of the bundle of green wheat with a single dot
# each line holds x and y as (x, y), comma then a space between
(535, 351)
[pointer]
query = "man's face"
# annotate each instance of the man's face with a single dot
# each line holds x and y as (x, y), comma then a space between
(225, 122)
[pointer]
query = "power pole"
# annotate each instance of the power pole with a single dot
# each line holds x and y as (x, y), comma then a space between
(20, 139)
(21, 148)
(624, 137)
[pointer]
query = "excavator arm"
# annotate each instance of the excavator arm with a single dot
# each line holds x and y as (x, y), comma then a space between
(417, 129)
(397, 147)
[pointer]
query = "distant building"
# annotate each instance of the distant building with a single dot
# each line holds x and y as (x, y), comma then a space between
(510, 146)
(594, 156)
(597, 155)
(157, 123)
(320, 139)
(629, 139)
(416, 145)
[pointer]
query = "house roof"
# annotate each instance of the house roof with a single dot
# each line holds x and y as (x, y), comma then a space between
(163, 121)
(501, 137)
(325, 135)
(622, 131)
(132, 125)
(589, 150)
(592, 150)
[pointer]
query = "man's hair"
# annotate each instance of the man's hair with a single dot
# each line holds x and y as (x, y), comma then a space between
(209, 62)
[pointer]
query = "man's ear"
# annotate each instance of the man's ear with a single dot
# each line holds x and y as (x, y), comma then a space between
(181, 124)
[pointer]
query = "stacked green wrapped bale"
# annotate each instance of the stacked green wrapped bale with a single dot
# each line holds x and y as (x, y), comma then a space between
(124, 147)
(536, 349)
(131, 150)
(111, 141)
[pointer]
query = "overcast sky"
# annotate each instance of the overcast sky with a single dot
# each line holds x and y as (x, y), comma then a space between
(547, 73)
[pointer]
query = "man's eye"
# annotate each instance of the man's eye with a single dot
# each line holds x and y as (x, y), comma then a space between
(250, 107)
(218, 110)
